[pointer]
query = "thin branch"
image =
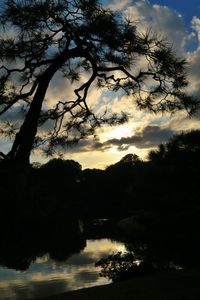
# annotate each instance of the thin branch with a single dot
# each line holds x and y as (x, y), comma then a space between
(20, 97)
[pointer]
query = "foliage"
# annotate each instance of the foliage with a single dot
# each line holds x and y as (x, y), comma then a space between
(125, 164)
(181, 148)
(121, 266)
(61, 169)
(40, 38)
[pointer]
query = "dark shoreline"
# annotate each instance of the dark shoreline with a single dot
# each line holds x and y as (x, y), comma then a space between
(172, 285)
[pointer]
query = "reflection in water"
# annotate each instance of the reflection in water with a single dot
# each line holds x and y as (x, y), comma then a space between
(47, 276)
(21, 244)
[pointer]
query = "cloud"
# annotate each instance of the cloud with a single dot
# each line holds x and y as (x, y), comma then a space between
(194, 72)
(163, 20)
(149, 137)
(196, 26)
(170, 25)
(118, 5)
(183, 123)
(87, 145)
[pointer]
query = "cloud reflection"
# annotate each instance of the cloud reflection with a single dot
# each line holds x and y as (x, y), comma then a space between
(48, 277)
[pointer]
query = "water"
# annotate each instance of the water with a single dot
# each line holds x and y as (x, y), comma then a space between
(47, 276)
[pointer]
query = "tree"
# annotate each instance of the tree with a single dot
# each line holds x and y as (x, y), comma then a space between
(43, 37)
(63, 171)
(124, 167)
(183, 148)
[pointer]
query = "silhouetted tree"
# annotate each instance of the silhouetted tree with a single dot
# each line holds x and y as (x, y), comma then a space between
(121, 173)
(54, 188)
(40, 38)
(157, 155)
(120, 181)
(93, 192)
(126, 162)
(182, 148)
(61, 171)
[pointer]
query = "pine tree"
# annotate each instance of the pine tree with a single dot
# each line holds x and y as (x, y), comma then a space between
(40, 38)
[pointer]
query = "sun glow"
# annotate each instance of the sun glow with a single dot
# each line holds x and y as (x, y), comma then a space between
(117, 132)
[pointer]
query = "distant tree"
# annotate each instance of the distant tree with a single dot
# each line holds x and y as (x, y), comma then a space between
(120, 179)
(53, 188)
(39, 38)
(157, 155)
(185, 142)
(126, 163)
(58, 169)
(130, 159)
(59, 172)
(181, 148)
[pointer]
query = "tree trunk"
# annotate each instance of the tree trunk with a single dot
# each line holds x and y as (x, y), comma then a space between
(24, 139)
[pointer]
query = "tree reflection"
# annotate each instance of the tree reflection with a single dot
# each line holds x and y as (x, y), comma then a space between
(21, 245)
(121, 266)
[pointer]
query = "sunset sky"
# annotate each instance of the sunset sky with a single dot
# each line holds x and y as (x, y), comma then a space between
(179, 22)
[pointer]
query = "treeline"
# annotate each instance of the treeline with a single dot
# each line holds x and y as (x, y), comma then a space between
(168, 181)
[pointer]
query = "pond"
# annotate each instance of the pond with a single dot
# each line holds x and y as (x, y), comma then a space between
(44, 258)
(47, 276)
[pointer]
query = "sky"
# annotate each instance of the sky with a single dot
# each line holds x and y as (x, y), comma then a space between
(179, 22)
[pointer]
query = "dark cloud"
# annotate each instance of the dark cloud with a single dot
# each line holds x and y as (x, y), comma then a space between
(149, 137)
(87, 145)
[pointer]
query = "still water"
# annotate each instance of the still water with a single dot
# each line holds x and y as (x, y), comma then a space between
(46, 276)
